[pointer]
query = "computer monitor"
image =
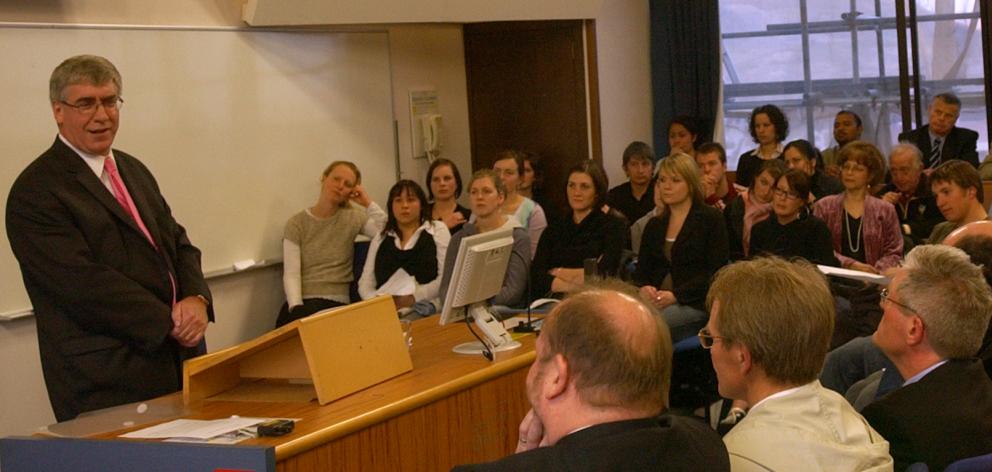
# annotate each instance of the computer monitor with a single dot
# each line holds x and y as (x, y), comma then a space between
(478, 273)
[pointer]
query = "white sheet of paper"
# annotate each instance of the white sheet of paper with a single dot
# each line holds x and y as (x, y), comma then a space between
(854, 274)
(401, 283)
(195, 429)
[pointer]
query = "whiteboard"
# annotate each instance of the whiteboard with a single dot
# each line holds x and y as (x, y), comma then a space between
(236, 125)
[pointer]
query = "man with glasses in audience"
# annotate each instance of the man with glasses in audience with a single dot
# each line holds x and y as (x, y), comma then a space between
(936, 312)
(941, 140)
(115, 284)
(767, 342)
(909, 191)
(598, 391)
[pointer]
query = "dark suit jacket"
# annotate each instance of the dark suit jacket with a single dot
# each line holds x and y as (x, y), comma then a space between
(944, 417)
(960, 143)
(100, 291)
(700, 249)
(666, 443)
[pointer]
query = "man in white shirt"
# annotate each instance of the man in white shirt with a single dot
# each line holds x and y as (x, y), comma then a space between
(768, 341)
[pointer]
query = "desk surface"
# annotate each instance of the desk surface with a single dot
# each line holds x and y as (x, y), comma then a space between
(437, 374)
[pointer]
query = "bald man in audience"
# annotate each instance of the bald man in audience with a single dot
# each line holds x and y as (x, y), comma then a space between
(959, 193)
(909, 191)
(768, 341)
(598, 390)
(937, 310)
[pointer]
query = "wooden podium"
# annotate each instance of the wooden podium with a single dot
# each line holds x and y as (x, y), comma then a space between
(326, 356)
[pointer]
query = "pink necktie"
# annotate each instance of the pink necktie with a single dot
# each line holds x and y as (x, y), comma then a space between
(124, 198)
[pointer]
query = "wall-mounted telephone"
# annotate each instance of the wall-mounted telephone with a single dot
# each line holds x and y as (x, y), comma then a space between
(430, 136)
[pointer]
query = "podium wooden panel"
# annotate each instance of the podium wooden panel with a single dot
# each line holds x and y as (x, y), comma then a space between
(450, 409)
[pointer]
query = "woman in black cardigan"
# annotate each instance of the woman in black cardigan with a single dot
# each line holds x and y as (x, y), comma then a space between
(681, 249)
(586, 232)
(792, 230)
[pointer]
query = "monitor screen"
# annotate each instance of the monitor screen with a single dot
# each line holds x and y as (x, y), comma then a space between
(478, 273)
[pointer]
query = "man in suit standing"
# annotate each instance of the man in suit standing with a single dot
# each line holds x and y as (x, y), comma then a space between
(935, 316)
(115, 284)
(940, 140)
(598, 389)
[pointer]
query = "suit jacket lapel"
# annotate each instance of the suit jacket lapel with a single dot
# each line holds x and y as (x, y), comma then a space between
(140, 198)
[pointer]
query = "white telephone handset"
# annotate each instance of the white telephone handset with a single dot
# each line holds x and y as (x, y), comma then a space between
(430, 128)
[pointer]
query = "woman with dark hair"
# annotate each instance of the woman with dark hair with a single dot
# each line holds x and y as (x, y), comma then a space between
(585, 233)
(406, 258)
(792, 231)
(768, 127)
(510, 167)
(444, 186)
(865, 229)
(750, 207)
(803, 156)
(682, 249)
(683, 135)
(318, 245)
(487, 194)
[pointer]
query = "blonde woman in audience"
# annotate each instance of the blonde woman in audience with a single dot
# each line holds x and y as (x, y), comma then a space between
(510, 167)
(319, 243)
(682, 249)
(865, 229)
(444, 186)
(487, 194)
(406, 258)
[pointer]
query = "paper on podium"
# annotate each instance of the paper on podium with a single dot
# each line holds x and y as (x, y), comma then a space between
(854, 274)
(194, 429)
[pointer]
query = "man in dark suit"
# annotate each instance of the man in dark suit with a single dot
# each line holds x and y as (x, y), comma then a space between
(935, 316)
(115, 284)
(598, 389)
(941, 141)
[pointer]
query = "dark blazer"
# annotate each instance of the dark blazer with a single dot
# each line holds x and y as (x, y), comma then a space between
(960, 143)
(700, 249)
(944, 417)
(665, 443)
(566, 244)
(807, 237)
(100, 291)
(920, 212)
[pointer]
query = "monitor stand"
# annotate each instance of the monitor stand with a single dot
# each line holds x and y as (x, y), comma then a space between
(492, 329)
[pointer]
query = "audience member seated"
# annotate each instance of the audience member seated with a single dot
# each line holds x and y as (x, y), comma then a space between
(444, 186)
(860, 358)
(767, 342)
(865, 229)
(751, 207)
(847, 128)
(936, 314)
(635, 197)
(712, 161)
(802, 155)
(318, 245)
(406, 258)
(792, 231)
(532, 184)
(637, 229)
(959, 194)
(683, 135)
(510, 166)
(487, 193)
(940, 140)
(910, 192)
(586, 232)
(604, 409)
(682, 249)
(768, 127)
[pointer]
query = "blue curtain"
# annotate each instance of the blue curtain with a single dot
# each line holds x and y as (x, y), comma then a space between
(685, 65)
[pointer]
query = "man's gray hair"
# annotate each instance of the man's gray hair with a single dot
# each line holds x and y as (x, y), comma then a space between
(911, 150)
(83, 69)
(950, 294)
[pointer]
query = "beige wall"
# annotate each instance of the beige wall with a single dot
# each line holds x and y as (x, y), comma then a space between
(622, 31)
(420, 55)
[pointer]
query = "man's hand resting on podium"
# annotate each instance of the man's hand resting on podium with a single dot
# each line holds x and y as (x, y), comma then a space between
(189, 319)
